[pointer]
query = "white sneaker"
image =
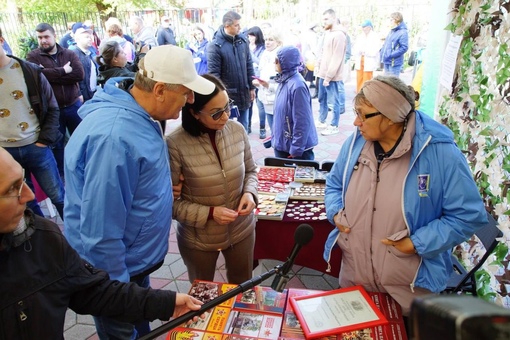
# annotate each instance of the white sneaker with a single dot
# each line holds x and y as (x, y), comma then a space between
(330, 130)
(320, 125)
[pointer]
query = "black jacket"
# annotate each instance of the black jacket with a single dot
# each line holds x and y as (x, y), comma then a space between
(86, 60)
(229, 59)
(42, 276)
(43, 102)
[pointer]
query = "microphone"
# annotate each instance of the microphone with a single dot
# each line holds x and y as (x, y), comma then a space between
(302, 235)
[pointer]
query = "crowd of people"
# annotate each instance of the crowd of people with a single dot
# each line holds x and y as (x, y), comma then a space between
(85, 119)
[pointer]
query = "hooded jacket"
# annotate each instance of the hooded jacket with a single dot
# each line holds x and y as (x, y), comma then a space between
(42, 276)
(118, 204)
(211, 182)
(395, 46)
(106, 72)
(447, 213)
(293, 126)
(229, 59)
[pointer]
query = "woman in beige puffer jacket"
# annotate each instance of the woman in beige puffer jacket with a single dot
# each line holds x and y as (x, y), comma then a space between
(215, 212)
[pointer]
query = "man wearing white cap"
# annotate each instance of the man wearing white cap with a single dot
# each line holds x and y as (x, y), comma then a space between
(118, 206)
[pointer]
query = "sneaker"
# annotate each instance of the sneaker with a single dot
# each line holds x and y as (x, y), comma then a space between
(262, 134)
(330, 130)
(267, 142)
(320, 125)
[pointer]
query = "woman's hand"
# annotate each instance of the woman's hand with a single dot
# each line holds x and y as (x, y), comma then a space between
(222, 215)
(185, 303)
(177, 189)
(246, 205)
(404, 245)
(342, 228)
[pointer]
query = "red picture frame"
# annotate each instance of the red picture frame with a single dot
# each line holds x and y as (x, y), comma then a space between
(336, 311)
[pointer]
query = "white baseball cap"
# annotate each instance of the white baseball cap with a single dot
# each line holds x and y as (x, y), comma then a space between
(174, 65)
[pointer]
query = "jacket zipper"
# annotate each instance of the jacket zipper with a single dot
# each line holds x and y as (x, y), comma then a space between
(288, 126)
(21, 311)
(411, 285)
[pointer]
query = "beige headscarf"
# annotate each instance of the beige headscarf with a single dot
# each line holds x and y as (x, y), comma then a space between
(387, 100)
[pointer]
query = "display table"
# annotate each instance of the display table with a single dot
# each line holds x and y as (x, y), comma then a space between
(275, 240)
(262, 313)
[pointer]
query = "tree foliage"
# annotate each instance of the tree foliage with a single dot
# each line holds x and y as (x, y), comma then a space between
(103, 6)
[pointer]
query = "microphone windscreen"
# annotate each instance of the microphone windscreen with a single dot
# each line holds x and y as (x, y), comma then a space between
(303, 234)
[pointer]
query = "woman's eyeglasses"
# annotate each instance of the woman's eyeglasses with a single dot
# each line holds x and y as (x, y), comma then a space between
(367, 115)
(218, 114)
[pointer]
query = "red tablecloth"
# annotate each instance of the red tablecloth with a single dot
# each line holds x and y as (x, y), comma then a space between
(275, 240)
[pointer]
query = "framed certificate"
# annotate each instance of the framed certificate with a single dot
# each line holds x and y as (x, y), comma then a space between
(336, 311)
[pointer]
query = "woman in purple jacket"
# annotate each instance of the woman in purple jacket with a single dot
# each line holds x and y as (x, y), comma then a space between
(294, 133)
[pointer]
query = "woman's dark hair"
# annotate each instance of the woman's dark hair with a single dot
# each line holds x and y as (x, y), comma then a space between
(259, 36)
(189, 123)
(108, 51)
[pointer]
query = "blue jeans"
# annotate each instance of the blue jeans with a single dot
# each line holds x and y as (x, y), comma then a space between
(269, 117)
(40, 162)
(69, 120)
(307, 155)
(392, 70)
(262, 114)
(111, 329)
(333, 94)
(243, 118)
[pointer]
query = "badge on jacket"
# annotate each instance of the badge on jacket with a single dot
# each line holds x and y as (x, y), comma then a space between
(423, 185)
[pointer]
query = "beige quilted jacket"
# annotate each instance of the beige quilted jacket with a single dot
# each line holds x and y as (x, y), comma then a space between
(212, 182)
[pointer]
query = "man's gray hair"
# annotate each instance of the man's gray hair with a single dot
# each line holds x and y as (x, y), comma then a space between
(330, 12)
(138, 20)
(230, 17)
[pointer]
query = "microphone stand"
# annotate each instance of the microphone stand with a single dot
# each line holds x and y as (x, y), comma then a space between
(213, 303)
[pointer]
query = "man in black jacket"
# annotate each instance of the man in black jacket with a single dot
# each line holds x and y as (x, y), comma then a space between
(229, 58)
(29, 124)
(42, 275)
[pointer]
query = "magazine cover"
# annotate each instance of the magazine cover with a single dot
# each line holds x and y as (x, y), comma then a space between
(206, 291)
(254, 324)
(262, 299)
(191, 334)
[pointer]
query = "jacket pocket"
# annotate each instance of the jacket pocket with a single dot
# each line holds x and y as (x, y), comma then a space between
(399, 268)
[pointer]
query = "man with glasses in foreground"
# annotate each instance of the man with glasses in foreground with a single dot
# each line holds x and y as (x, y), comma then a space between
(119, 197)
(42, 275)
(29, 121)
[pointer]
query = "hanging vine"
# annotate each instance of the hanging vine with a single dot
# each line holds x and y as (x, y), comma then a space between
(478, 111)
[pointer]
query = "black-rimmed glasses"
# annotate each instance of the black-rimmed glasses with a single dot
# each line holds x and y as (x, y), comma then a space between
(367, 115)
(218, 114)
(15, 190)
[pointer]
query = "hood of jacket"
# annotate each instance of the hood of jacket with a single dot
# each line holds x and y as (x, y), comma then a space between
(289, 58)
(115, 95)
